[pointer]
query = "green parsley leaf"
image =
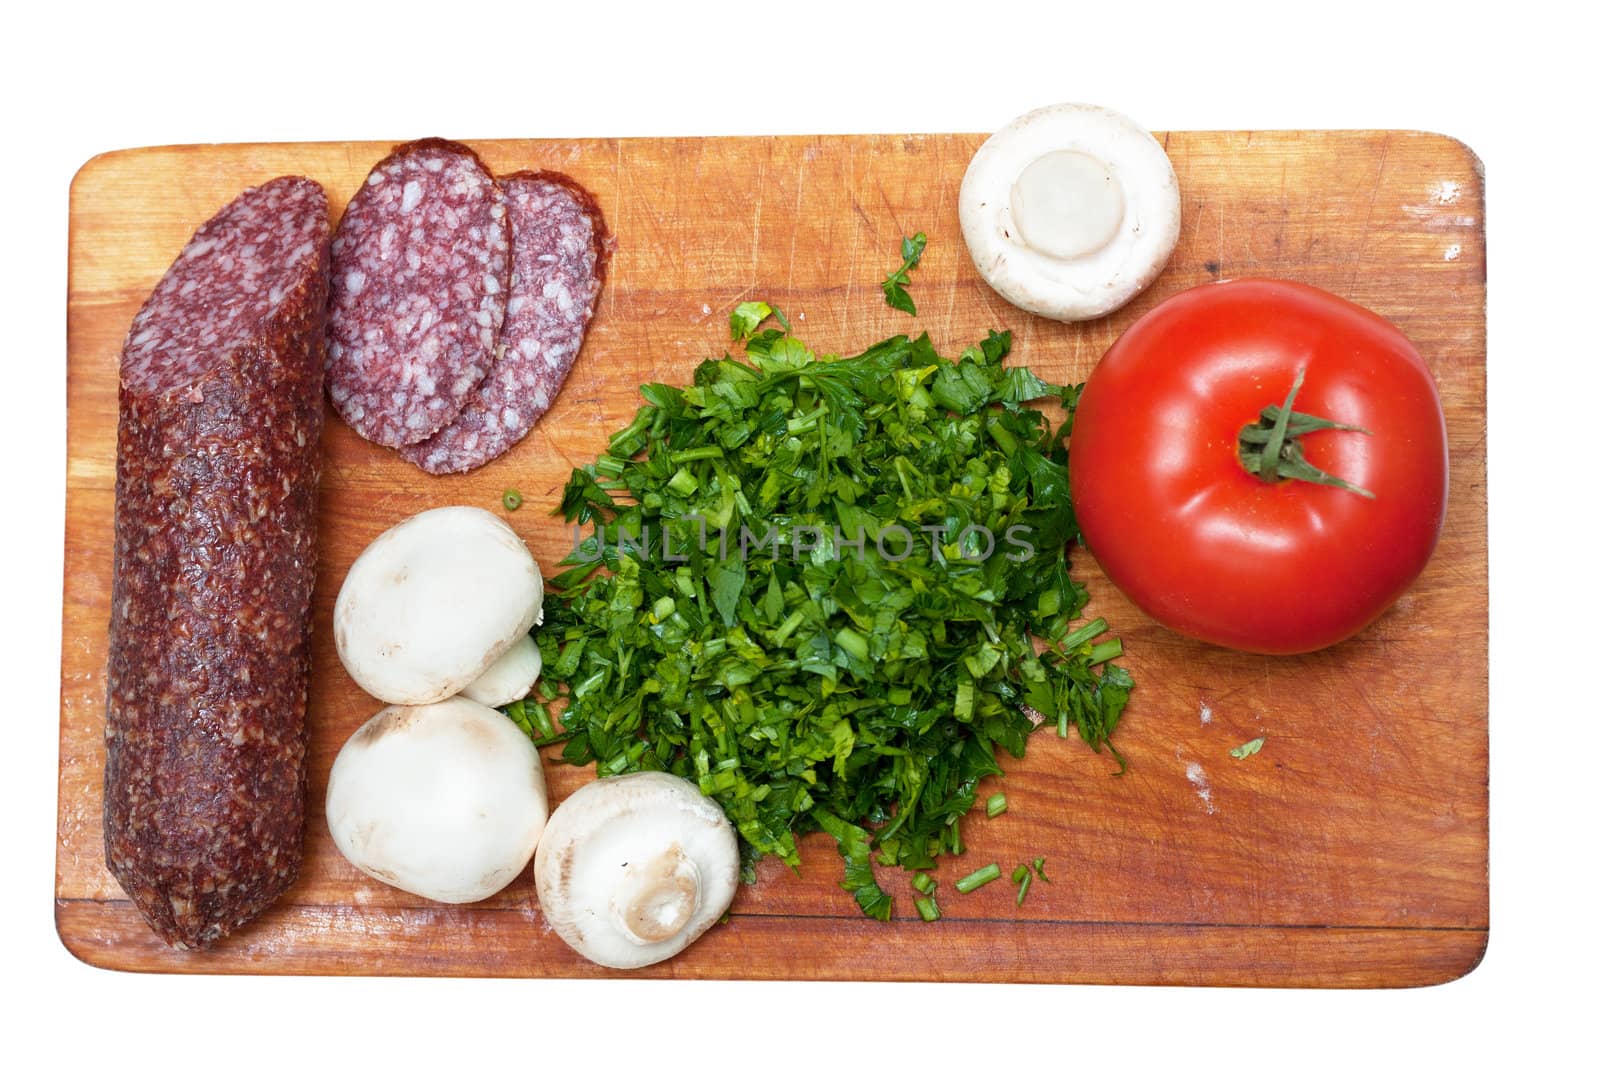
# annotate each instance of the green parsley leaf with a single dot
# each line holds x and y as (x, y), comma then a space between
(894, 286)
(742, 323)
(1245, 750)
(855, 846)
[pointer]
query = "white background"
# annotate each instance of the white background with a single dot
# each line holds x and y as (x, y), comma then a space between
(235, 72)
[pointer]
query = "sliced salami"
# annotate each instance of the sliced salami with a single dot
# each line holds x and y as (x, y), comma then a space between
(421, 267)
(559, 247)
(220, 418)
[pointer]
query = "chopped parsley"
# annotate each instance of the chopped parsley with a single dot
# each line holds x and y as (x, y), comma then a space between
(830, 590)
(1245, 750)
(894, 286)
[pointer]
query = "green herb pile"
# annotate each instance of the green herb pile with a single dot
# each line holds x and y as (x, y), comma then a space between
(840, 629)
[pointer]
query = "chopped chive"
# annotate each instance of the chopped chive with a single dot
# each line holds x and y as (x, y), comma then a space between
(1020, 873)
(1022, 889)
(1103, 652)
(1075, 639)
(1038, 868)
(978, 878)
(511, 499)
(625, 442)
(854, 642)
(541, 721)
(684, 482)
(956, 847)
(517, 713)
(995, 805)
(923, 884)
(786, 629)
(706, 452)
(927, 909)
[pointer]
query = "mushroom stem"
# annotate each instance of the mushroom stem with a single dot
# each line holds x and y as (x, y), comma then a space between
(1068, 204)
(657, 898)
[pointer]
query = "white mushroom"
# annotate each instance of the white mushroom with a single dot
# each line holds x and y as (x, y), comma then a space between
(511, 677)
(632, 869)
(446, 801)
(433, 602)
(1070, 211)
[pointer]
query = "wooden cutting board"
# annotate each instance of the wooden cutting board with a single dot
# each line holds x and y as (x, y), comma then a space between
(1351, 851)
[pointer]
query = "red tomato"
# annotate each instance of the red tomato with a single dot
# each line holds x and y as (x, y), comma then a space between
(1218, 553)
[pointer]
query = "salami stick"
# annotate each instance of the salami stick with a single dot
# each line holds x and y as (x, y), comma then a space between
(220, 416)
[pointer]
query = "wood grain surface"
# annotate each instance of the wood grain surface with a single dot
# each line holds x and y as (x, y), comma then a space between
(1351, 851)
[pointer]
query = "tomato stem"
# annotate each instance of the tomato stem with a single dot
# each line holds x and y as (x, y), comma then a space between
(1270, 448)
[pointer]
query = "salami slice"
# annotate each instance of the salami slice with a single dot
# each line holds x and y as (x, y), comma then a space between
(421, 265)
(559, 247)
(220, 416)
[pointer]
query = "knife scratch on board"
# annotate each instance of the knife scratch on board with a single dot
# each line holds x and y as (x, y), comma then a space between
(794, 231)
(1366, 221)
(611, 293)
(755, 231)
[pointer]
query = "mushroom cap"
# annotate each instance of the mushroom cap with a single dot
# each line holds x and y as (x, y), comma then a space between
(511, 677)
(1113, 183)
(632, 869)
(446, 801)
(433, 602)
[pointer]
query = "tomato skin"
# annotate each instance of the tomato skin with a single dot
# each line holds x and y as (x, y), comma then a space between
(1216, 553)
